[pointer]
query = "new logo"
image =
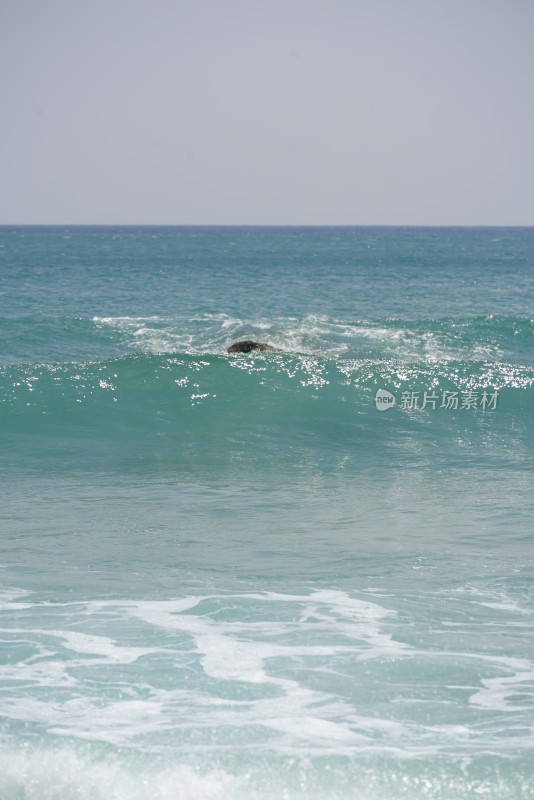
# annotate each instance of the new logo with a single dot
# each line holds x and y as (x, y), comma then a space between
(384, 400)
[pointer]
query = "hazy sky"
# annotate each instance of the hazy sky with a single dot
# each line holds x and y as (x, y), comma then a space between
(353, 112)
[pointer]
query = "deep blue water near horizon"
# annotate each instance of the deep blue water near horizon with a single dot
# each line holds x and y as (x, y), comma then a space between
(252, 576)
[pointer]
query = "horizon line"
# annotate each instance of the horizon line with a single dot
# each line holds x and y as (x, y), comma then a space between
(256, 225)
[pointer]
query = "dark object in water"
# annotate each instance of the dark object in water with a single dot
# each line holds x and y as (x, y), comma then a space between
(247, 345)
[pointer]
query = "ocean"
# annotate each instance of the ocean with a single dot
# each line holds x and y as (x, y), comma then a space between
(284, 575)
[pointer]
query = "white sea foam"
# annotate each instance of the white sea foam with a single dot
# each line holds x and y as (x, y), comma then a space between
(507, 692)
(233, 651)
(87, 773)
(253, 670)
(314, 334)
(69, 774)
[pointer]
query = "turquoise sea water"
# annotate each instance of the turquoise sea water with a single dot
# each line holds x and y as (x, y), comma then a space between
(233, 576)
